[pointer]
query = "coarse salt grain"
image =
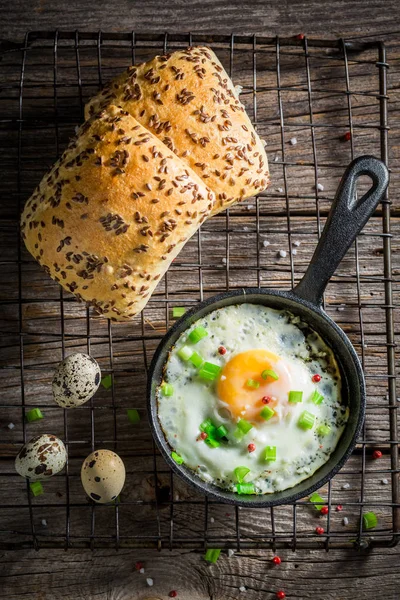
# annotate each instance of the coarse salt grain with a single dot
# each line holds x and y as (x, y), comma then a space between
(223, 377)
(141, 570)
(280, 190)
(230, 552)
(276, 158)
(296, 243)
(320, 187)
(242, 589)
(293, 141)
(212, 520)
(265, 243)
(345, 521)
(250, 206)
(294, 252)
(224, 261)
(385, 481)
(149, 581)
(44, 522)
(341, 308)
(346, 486)
(11, 426)
(282, 253)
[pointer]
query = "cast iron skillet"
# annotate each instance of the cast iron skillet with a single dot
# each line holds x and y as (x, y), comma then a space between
(346, 219)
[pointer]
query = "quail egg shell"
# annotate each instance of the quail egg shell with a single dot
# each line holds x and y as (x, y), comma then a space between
(76, 380)
(103, 476)
(40, 458)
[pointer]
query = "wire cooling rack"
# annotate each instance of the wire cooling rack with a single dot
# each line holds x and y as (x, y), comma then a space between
(317, 104)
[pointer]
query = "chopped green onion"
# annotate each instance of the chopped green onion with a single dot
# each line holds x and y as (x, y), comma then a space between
(212, 555)
(133, 416)
(209, 371)
(196, 360)
(306, 420)
(167, 389)
(323, 430)
(36, 488)
(240, 473)
(238, 434)
(269, 373)
(212, 442)
(178, 311)
(370, 520)
(185, 352)
(295, 397)
(205, 424)
(197, 334)
(316, 397)
(267, 413)
(221, 432)
(270, 453)
(106, 382)
(178, 459)
(252, 383)
(317, 500)
(34, 415)
(244, 426)
(245, 488)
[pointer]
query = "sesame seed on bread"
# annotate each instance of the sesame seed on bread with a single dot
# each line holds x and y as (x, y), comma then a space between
(188, 101)
(113, 212)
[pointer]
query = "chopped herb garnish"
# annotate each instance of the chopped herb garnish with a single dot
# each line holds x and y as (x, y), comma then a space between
(209, 371)
(244, 426)
(34, 415)
(221, 432)
(212, 555)
(106, 382)
(185, 352)
(133, 416)
(36, 488)
(197, 334)
(252, 383)
(178, 459)
(267, 413)
(370, 520)
(196, 360)
(317, 500)
(206, 424)
(167, 389)
(295, 397)
(306, 420)
(240, 473)
(316, 397)
(212, 442)
(269, 373)
(323, 430)
(270, 453)
(245, 488)
(178, 311)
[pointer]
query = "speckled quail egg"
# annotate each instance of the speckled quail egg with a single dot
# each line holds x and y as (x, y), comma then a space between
(103, 476)
(42, 457)
(76, 380)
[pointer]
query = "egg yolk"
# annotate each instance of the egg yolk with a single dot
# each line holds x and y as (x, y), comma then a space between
(244, 401)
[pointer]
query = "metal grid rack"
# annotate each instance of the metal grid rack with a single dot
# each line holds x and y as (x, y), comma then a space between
(315, 91)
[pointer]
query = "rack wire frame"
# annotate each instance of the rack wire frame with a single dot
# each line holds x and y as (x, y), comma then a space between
(53, 44)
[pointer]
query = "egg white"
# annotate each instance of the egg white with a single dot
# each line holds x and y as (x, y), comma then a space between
(301, 353)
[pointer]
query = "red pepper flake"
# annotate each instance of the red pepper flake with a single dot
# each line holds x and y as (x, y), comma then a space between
(316, 378)
(377, 454)
(324, 510)
(266, 399)
(339, 508)
(203, 435)
(138, 566)
(280, 595)
(277, 560)
(222, 350)
(319, 530)
(300, 36)
(347, 136)
(173, 594)
(251, 447)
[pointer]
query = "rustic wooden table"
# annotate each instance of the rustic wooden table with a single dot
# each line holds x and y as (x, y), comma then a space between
(305, 574)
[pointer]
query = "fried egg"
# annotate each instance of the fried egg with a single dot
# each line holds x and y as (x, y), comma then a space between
(272, 403)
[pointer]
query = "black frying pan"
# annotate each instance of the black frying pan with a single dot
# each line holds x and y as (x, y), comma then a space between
(346, 219)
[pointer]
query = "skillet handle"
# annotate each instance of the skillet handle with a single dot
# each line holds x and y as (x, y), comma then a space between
(346, 219)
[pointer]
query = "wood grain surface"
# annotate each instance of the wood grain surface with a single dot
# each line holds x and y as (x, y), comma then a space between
(200, 270)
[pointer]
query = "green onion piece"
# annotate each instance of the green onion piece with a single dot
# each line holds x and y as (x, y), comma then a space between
(106, 382)
(178, 311)
(245, 488)
(240, 473)
(295, 397)
(238, 434)
(167, 389)
(185, 352)
(318, 501)
(133, 416)
(178, 459)
(306, 420)
(244, 426)
(197, 334)
(205, 424)
(323, 430)
(221, 432)
(212, 555)
(267, 413)
(34, 415)
(270, 453)
(196, 360)
(252, 383)
(370, 520)
(316, 397)
(269, 373)
(212, 442)
(36, 488)
(209, 371)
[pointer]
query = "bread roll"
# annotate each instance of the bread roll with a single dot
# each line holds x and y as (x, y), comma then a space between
(188, 101)
(113, 212)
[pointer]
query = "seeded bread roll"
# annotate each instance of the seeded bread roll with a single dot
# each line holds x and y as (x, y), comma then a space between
(188, 101)
(112, 213)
